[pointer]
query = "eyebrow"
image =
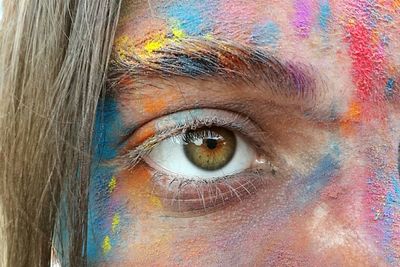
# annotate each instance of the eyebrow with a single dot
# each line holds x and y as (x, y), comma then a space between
(210, 59)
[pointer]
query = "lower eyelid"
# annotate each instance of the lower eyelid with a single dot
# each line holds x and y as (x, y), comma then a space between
(180, 197)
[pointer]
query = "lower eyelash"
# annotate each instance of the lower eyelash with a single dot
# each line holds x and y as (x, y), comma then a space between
(181, 195)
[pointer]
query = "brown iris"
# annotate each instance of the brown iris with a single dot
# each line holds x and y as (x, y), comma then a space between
(210, 148)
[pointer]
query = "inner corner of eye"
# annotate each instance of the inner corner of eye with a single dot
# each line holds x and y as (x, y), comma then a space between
(206, 152)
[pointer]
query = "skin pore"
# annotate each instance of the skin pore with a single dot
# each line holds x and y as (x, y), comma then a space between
(310, 89)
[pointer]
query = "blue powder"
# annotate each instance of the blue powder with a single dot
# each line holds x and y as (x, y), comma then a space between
(390, 87)
(388, 213)
(267, 34)
(107, 134)
(326, 168)
(188, 17)
(392, 202)
(324, 15)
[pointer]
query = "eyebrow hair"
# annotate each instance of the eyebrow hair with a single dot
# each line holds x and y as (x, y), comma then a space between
(207, 59)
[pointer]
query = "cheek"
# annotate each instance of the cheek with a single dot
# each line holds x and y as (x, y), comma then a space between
(137, 188)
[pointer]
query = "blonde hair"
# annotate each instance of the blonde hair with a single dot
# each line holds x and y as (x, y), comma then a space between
(53, 60)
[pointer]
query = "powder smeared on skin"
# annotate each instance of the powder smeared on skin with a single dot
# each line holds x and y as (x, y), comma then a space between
(115, 223)
(266, 34)
(367, 64)
(112, 184)
(159, 41)
(390, 209)
(325, 13)
(396, 4)
(303, 17)
(325, 169)
(155, 201)
(126, 47)
(189, 17)
(178, 33)
(350, 119)
(106, 245)
(103, 202)
(389, 89)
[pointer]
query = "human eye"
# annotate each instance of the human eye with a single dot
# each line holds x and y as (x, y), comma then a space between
(202, 160)
(206, 153)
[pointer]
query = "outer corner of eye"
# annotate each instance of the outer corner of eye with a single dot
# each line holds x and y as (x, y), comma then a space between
(205, 153)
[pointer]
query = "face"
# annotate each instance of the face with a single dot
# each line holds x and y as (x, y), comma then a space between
(249, 133)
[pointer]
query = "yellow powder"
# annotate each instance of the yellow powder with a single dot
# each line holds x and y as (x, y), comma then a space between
(106, 245)
(112, 184)
(155, 201)
(115, 223)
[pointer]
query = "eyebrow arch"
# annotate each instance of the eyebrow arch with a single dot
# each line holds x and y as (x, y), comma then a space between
(209, 59)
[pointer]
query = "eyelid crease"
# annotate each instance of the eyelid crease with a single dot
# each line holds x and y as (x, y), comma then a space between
(133, 154)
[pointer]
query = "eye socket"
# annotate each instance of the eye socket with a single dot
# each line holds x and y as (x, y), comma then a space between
(207, 153)
(201, 160)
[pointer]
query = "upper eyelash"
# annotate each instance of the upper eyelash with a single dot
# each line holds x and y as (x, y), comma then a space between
(200, 133)
(130, 159)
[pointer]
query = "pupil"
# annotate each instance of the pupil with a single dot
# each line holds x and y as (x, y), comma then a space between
(211, 143)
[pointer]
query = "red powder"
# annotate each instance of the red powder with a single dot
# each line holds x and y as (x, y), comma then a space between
(367, 62)
(368, 70)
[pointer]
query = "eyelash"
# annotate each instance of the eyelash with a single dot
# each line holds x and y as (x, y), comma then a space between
(209, 195)
(132, 157)
(217, 191)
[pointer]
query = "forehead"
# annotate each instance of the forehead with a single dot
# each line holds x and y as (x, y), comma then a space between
(352, 42)
(248, 19)
(284, 27)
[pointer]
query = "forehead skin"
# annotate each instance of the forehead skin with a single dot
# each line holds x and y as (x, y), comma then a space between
(353, 44)
(351, 48)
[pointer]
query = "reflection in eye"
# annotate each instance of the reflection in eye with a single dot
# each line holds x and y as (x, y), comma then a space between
(206, 153)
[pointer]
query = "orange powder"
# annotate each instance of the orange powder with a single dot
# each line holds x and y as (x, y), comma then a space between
(352, 117)
(137, 186)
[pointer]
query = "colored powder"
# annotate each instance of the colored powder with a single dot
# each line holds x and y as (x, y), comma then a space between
(155, 201)
(106, 245)
(350, 119)
(396, 4)
(303, 17)
(267, 34)
(367, 60)
(324, 15)
(189, 17)
(391, 207)
(388, 224)
(112, 184)
(125, 47)
(396, 188)
(385, 40)
(191, 67)
(389, 89)
(107, 136)
(178, 34)
(161, 40)
(154, 105)
(158, 42)
(115, 223)
(325, 169)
